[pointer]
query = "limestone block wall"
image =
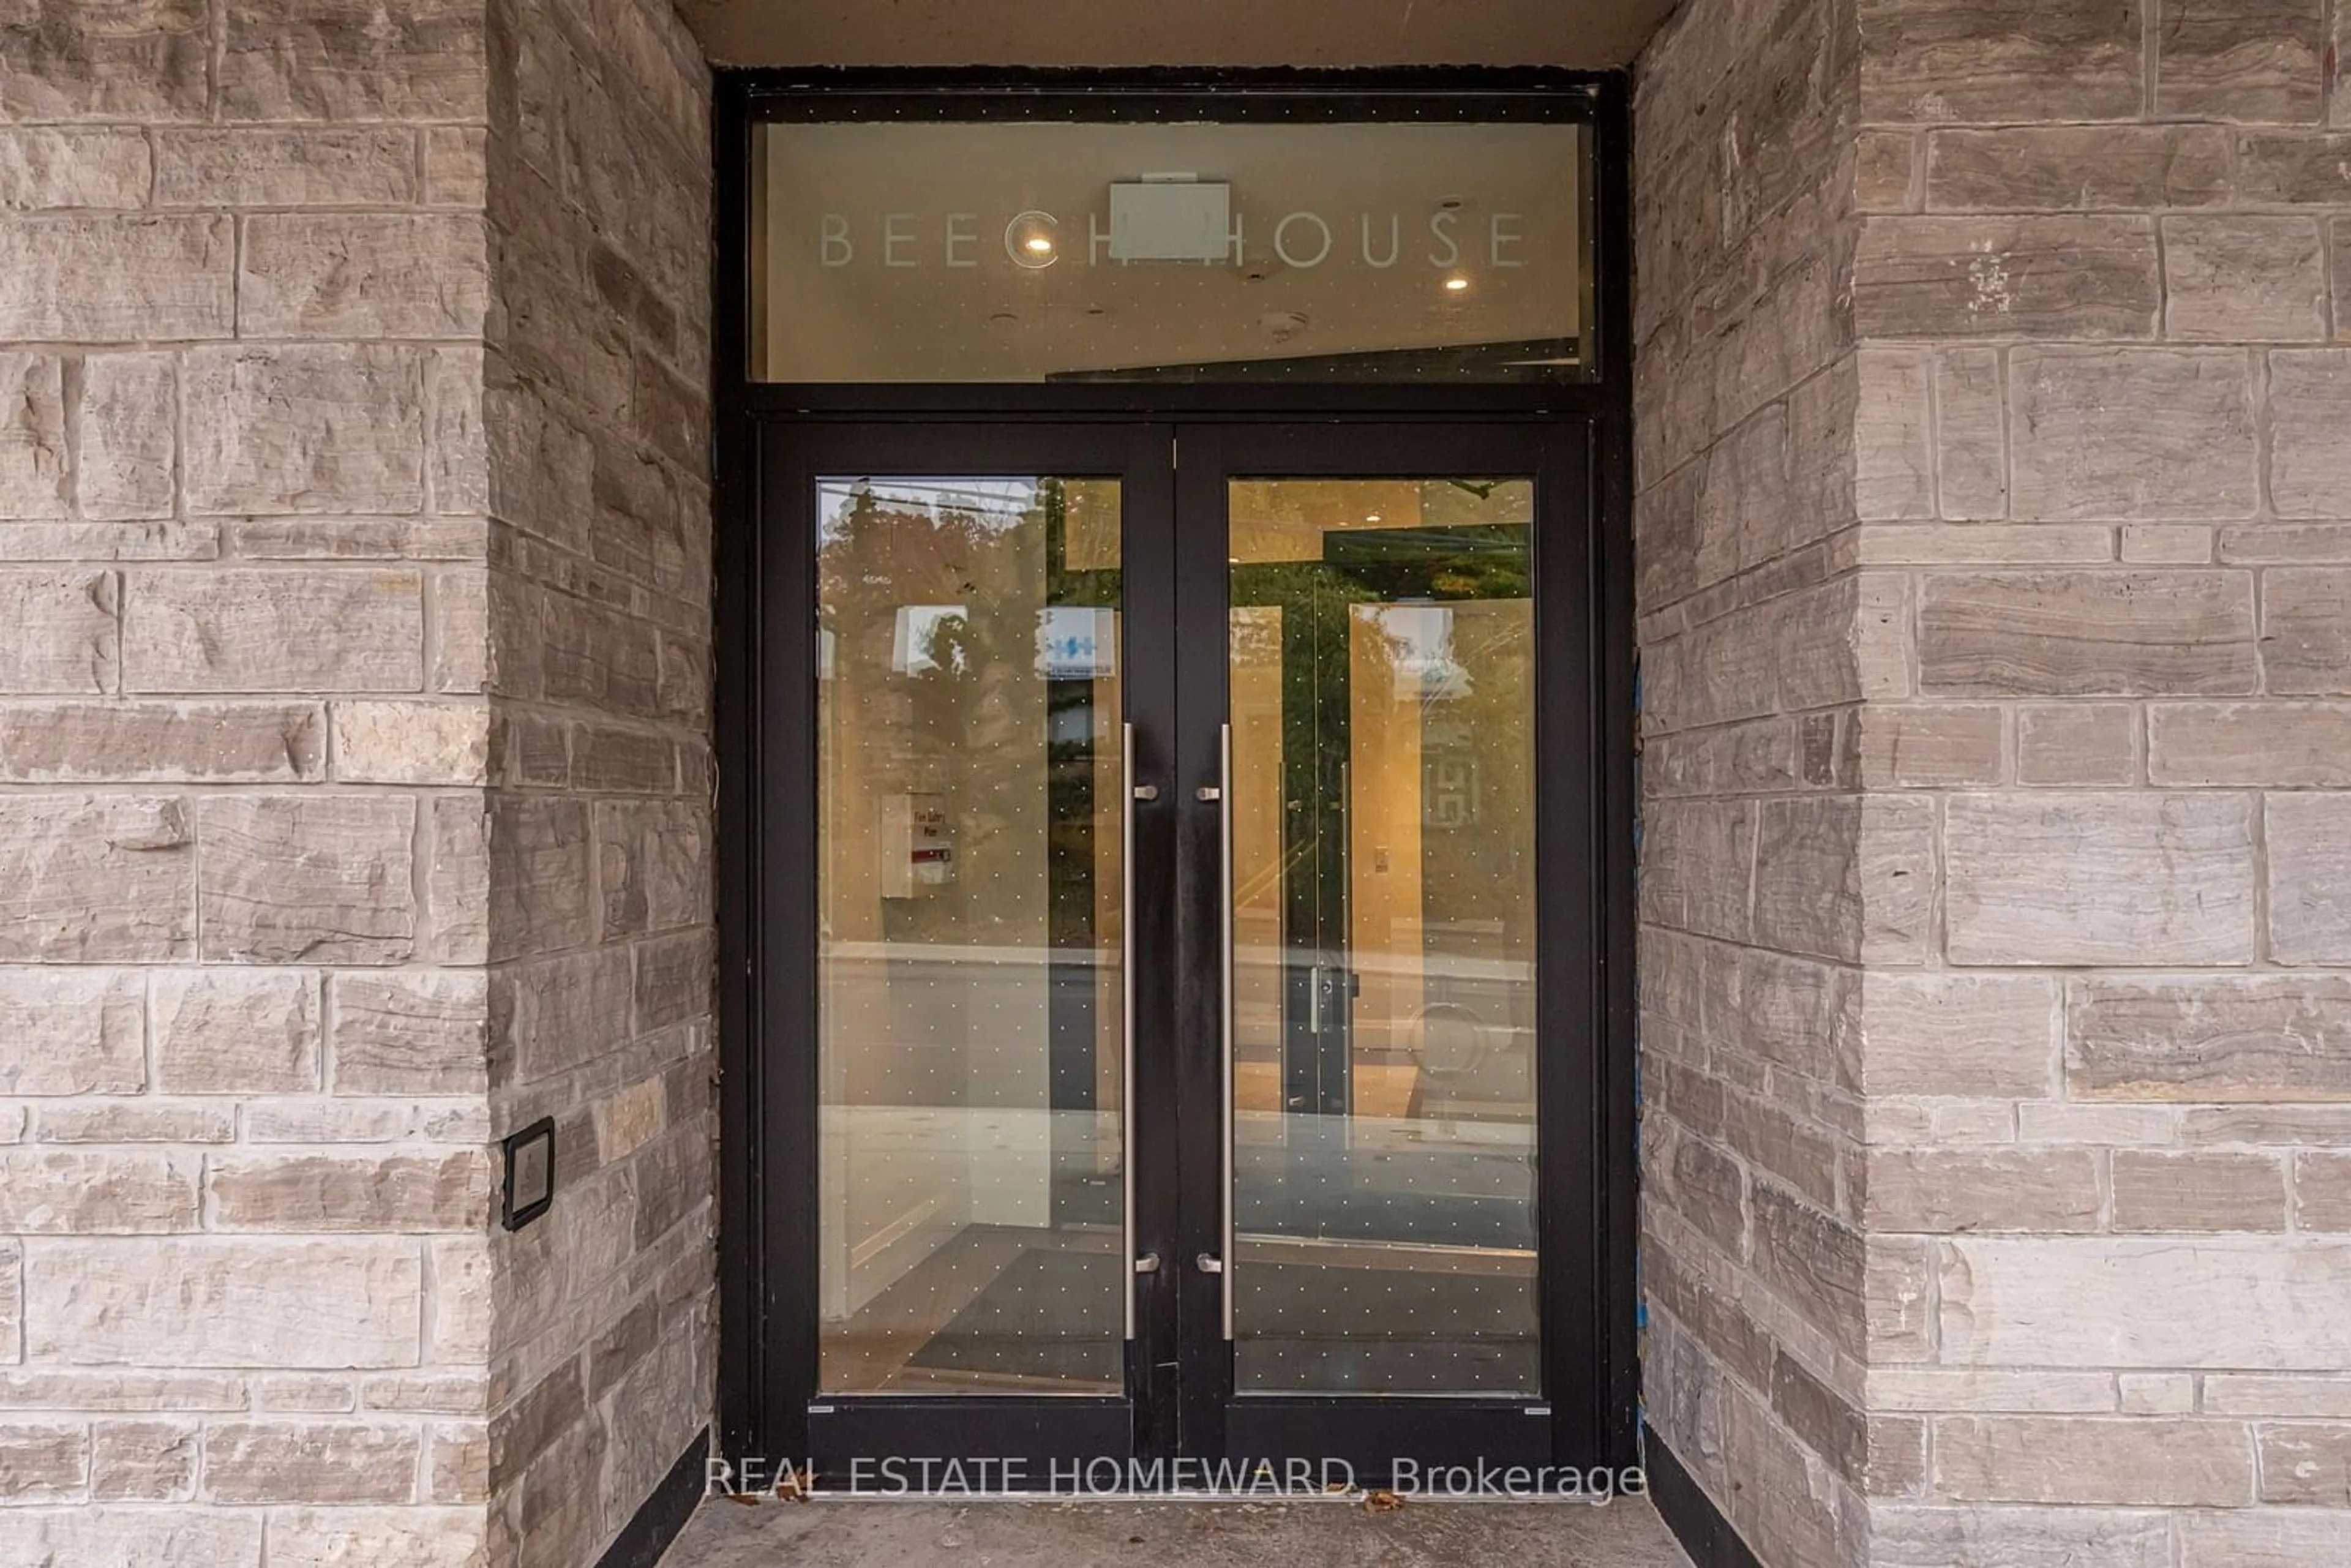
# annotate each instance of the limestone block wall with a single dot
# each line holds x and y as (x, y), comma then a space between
(2104, 254)
(599, 821)
(2069, 1075)
(1762, 834)
(242, 1017)
(350, 776)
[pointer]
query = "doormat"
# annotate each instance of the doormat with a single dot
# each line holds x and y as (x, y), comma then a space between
(1306, 1328)
(1052, 1316)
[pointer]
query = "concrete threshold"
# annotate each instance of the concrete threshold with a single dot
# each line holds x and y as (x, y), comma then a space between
(851, 1533)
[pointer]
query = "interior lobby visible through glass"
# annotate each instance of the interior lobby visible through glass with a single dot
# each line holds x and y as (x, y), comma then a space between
(1051, 251)
(1382, 691)
(970, 992)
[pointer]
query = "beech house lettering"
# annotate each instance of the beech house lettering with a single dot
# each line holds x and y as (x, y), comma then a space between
(1305, 239)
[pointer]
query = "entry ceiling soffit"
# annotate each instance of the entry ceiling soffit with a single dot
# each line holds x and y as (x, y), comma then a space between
(1587, 33)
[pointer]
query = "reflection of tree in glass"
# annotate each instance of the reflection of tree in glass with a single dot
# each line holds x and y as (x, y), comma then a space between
(964, 719)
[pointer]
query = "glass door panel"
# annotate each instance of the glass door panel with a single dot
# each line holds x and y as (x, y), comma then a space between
(1381, 692)
(971, 879)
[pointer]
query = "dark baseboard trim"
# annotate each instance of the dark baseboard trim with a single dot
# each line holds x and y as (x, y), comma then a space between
(1688, 1512)
(660, 1516)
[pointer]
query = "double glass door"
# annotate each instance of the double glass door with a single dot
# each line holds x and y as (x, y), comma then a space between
(1197, 1040)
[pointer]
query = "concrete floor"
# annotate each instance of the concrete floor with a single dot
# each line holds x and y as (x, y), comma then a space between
(887, 1534)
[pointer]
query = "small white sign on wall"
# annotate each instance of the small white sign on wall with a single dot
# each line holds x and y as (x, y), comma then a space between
(1170, 218)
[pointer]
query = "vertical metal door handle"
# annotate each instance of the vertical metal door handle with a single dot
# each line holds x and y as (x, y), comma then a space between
(1126, 797)
(1225, 909)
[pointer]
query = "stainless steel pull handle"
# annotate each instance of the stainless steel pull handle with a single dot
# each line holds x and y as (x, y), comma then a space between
(1209, 1263)
(1225, 909)
(1147, 1264)
(1127, 796)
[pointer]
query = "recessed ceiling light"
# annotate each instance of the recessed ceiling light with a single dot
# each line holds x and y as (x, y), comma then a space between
(1281, 326)
(1456, 284)
(1370, 516)
(1031, 241)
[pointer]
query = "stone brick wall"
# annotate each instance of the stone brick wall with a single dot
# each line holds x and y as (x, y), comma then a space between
(241, 1008)
(351, 773)
(599, 821)
(2059, 1079)
(2105, 248)
(1756, 821)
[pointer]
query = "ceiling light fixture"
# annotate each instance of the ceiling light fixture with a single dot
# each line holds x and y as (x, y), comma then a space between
(1456, 284)
(1031, 240)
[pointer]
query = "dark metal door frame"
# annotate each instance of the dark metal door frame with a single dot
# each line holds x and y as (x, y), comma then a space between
(765, 761)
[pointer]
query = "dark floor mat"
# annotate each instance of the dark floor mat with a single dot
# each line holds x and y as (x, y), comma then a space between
(1053, 1315)
(1050, 1315)
(1322, 1330)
